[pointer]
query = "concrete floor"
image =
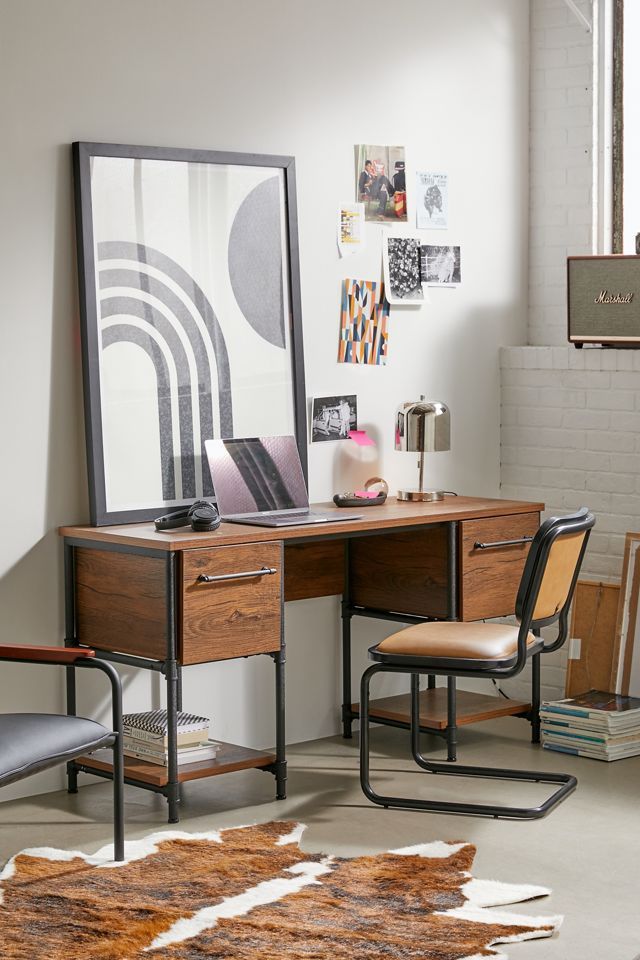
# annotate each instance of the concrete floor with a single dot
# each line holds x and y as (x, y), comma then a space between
(587, 850)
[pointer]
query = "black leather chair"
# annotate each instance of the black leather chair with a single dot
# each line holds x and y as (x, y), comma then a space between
(30, 742)
(487, 650)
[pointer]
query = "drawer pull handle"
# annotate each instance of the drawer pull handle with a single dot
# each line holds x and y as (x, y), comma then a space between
(500, 543)
(263, 572)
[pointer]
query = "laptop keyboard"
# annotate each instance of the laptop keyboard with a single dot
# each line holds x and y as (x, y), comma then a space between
(302, 514)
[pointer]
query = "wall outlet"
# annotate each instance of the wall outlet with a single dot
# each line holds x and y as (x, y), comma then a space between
(575, 644)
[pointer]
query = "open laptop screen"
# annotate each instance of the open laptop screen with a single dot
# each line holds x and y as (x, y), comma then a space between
(256, 475)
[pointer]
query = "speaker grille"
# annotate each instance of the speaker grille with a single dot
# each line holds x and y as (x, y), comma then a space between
(604, 299)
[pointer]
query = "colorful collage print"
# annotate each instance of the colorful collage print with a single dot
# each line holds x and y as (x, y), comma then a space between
(363, 323)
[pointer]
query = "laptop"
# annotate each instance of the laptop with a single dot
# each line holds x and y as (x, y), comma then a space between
(259, 480)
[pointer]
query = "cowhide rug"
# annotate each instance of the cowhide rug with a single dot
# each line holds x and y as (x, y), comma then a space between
(251, 893)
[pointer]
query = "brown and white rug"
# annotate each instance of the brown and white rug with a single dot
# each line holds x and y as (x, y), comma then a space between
(251, 893)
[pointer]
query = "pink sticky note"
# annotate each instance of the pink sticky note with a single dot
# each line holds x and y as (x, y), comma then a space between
(362, 438)
(367, 494)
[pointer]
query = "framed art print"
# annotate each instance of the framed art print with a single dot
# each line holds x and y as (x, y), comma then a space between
(190, 314)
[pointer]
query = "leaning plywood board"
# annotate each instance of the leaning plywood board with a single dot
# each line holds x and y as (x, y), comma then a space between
(625, 674)
(593, 633)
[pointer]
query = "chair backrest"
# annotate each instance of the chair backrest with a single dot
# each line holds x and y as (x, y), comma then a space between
(552, 568)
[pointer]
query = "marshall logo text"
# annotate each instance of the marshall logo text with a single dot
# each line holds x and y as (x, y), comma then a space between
(605, 297)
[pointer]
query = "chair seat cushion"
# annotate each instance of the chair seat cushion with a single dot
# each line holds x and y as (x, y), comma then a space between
(34, 741)
(455, 641)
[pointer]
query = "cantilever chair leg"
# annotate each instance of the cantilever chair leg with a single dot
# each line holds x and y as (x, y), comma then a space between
(118, 753)
(567, 782)
(118, 769)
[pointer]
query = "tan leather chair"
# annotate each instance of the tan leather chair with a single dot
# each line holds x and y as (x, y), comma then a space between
(487, 650)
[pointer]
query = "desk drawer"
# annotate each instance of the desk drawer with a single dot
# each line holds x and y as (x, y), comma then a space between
(235, 615)
(490, 577)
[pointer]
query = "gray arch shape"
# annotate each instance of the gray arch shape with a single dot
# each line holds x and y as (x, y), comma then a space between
(140, 253)
(255, 261)
(138, 280)
(121, 333)
(131, 306)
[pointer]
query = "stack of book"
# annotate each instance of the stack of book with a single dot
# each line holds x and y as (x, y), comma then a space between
(145, 737)
(603, 726)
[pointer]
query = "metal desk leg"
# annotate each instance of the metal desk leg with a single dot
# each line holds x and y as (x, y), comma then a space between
(453, 615)
(173, 787)
(535, 697)
(70, 641)
(347, 616)
(451, 720)
(172, 791)
(346, 671)
(452, 571)
(281, 750)
(179, 668)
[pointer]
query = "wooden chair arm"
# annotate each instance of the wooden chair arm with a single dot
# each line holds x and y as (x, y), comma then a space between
(27, 653)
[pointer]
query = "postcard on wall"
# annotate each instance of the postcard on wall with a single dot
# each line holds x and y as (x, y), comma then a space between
(440, 266)
(380, 182)
(401, 266)
(432, 200)
(332, 418)
(363, 323)
(351, 235)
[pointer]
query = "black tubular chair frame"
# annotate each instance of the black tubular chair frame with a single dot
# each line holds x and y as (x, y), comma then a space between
(116, 746)
(580, 522)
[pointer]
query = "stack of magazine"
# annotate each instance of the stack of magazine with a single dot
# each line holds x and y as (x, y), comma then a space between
(145, 737)
(603, 726)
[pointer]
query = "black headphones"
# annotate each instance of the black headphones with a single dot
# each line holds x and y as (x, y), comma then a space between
(201, 515)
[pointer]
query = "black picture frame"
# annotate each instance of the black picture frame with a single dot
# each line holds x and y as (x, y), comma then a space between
(102, 511)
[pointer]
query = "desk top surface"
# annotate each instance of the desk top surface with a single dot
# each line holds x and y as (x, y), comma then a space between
(390, 516)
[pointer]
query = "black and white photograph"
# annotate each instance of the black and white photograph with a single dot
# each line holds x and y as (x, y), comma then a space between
(333, 417)
(440, 266)
(401, 266)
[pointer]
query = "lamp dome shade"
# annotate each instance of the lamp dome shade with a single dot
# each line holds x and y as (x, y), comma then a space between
(423, 426)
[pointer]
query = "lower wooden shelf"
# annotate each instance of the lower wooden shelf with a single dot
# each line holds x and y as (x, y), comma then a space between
(470, 708)
(230, 757)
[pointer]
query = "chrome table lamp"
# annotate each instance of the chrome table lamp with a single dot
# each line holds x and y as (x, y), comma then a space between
(422, 426)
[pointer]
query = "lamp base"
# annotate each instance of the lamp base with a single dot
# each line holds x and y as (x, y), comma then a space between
(420, 494)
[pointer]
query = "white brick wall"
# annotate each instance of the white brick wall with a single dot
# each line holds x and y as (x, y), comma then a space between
(571, 437)
(570, 418)
(561, 149)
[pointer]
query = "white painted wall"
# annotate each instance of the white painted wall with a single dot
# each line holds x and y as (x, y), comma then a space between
(449, 80)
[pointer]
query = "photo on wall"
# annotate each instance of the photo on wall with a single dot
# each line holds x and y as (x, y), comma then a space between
(364, 320)
(333, 417)
(351, 231)
(440, 266)
(380, 182)
(401, 266)
(432, 200)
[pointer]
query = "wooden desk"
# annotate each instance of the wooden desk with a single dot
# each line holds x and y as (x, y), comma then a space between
(142, 597)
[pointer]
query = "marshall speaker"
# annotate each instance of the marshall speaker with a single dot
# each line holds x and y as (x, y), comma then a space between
(604, 300)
